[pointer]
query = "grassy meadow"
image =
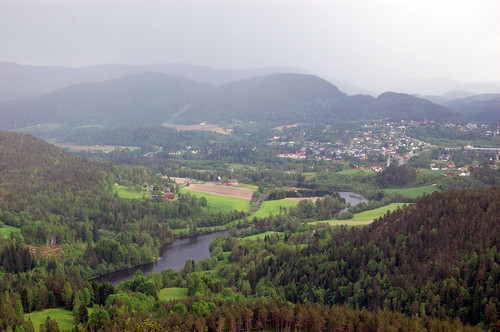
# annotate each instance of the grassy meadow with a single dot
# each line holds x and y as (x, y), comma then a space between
(350, 171)
(172, 293)
(223, 204)
(63, 317)
(127, 192)
(6, 230)
(365, 217)
(259, 236)
(413, 192)
(272, 208)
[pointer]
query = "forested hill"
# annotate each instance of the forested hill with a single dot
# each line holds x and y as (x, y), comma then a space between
(138, 99)
(278, 98)
(439, 257)
(155, 98)
(31, 170)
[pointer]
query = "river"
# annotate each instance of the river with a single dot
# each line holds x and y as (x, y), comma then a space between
(351, 198)
(176, 253)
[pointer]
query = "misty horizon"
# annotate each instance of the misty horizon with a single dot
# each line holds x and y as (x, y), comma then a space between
(375, 46)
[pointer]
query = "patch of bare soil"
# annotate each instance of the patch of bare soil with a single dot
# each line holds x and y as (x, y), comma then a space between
(178, 180)
(206, 126)
(222, 190)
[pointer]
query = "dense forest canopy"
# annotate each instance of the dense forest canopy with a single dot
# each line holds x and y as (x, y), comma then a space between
(433, 264)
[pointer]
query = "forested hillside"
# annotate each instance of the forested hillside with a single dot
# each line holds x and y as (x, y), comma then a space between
(59, 199)
(438, 257)
(155, 98)
(138, 99)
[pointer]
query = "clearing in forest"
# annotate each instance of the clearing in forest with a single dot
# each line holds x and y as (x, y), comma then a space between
(63, 317)
(172, 293)
(205, 127)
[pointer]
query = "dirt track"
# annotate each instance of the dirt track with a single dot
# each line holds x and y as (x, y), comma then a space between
(222, 190)
(179, 180)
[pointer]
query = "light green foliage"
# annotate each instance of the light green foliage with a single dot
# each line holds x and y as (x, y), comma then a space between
(350, 171)
(6, 230)
(260, 236)
(413, 192)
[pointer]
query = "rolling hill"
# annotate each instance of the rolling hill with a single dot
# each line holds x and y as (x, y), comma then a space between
(146, 98)
(155, 98)
(22, 81)
(477, 107)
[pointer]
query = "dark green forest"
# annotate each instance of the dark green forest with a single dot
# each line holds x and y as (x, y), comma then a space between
(430, 265)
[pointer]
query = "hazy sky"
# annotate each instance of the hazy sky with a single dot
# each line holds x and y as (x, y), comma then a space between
(363, 41)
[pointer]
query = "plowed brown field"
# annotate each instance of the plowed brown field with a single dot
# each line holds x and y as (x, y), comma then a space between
(222, 190)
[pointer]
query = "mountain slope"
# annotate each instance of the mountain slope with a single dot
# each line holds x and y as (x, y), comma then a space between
(154, 98)
(146, 98)
(403, 106)
(483, 107)
(278, 98)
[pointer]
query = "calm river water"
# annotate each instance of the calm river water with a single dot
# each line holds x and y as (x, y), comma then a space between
(176, 254)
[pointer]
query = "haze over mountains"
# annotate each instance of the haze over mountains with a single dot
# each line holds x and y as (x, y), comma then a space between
(20, 81)
(111, 96)
(155, 98)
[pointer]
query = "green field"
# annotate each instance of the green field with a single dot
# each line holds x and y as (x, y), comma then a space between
(259, 236)
(350, 171)
(413, 192)
(63, 317)
(6, 230)
(375, 213)
(365, 217)
(83, 148)
(248, 186)
(127, 192)
(223, 204)
(309, 176)
(172, 293)
(272, 207)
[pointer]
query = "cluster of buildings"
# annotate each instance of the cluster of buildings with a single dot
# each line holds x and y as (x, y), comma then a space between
(379, 140)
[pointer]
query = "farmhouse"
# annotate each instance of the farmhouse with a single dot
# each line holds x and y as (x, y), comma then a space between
(232, 182)
(169, 195)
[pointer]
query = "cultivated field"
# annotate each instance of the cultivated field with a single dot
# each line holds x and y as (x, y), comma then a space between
(268, 208)
(102, 148)
(219, 203)
(287, 126)
(222, 190)
(365, 217)
(206, 127)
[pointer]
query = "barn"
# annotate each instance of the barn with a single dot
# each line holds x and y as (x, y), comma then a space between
(169, 195)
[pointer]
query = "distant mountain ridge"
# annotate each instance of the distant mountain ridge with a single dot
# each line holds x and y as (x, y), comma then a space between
(155, 98)
(21, 81)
